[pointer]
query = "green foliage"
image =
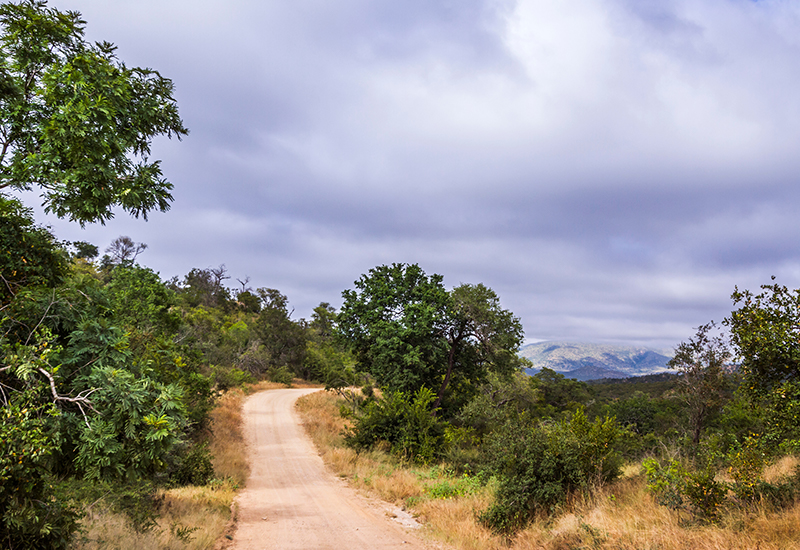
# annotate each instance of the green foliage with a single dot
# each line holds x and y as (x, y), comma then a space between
(674, 486)
(85, 250)
(781, 417)
(539, 465)
(249, 301)
(451, 487)
(227, 378)
(203, 287)
(408, 332)
(282, 341)
(652, 385)
(499, 400)
(29, 255)
(77, 122)
(705, 494)
(325, 359)
(141, 300)
(392, 323)
(700, 363)
(195, 467)
(30, 514)
(666, 482)
(139, 425)
(402, 422)
(746, 466)
(766, 332)
(559, 394)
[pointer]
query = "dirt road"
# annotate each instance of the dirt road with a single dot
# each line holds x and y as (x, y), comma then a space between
(291, 501)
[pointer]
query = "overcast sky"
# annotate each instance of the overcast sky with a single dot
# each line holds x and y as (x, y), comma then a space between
(612, 168)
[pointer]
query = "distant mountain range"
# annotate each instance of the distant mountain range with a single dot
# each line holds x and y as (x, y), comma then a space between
(592, 361)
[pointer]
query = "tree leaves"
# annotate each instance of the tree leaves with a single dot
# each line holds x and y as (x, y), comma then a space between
(76, 122)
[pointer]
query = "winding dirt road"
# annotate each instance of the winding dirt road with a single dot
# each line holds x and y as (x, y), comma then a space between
(291, 501)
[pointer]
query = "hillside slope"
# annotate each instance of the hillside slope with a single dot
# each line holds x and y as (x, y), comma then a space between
(592, 361)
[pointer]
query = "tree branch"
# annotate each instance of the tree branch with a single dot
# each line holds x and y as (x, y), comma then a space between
(81, 400)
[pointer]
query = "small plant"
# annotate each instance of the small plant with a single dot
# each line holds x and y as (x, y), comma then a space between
(596, 536)
(705, 494)
(196, 467)
(674, 487)
(181, 532)
(746, 466)
(453, 487)
(666, 482)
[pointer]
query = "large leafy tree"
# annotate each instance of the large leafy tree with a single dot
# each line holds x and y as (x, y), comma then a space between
(75, 121)
(409, 332)
(394, 322)
(765, 332)
(480, 335)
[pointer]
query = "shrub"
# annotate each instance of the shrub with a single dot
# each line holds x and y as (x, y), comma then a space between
(227, 378)
(196, 467)
(746, 465)
(539, 466)
(30, 514)
(406, 424)
(705, 494)
(677, 488)
(666, 482)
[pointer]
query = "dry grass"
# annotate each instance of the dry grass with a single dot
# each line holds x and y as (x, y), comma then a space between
(192, 518)
(227, 440)
(621, 516)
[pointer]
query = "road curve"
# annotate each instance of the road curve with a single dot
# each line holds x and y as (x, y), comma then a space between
(290, 501)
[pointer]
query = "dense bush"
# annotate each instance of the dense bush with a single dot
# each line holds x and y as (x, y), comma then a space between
(539, 465)
(195, 468)
(30, 514)
(404, 423)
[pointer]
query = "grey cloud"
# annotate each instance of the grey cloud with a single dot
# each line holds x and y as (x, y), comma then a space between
(612, 168)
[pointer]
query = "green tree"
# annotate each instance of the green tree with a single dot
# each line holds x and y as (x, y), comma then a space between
(283, 340)
(394, 323)
(29, 254)
(85, 251)
(408, 332)
(481, 336)
(700, 362)
(203, 287)
(123, 251)
(765, 332)
(75, 121)
(558, 393)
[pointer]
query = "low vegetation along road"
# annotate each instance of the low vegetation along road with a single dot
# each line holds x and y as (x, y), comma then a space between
(291, 501)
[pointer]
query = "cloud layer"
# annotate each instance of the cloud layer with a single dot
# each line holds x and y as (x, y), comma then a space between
(612, 168)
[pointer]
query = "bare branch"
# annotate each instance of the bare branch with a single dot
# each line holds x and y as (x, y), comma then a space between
(81, 400)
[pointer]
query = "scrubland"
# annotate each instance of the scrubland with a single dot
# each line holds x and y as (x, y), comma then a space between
(620, 515)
